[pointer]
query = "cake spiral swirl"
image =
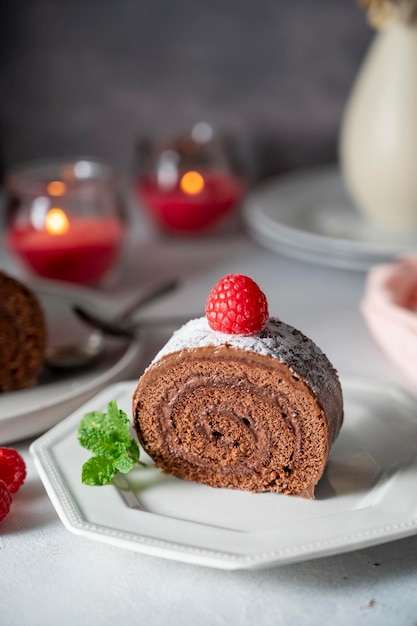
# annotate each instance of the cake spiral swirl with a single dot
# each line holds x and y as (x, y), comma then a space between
(257, 413)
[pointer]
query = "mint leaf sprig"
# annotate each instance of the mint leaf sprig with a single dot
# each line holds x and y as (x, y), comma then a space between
(107, 436)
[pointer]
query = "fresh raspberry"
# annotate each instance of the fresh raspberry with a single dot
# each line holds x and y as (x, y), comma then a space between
(12, 469)
(5, 500)
(237, 306)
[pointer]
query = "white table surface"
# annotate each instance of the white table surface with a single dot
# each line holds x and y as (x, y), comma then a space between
(51, 576)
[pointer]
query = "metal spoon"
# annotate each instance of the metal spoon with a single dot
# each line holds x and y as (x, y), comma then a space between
(122, 326)
(128, 328)
(75, 355)
(89, 349)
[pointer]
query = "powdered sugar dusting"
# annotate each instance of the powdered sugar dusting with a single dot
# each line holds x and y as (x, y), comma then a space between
(198, 334)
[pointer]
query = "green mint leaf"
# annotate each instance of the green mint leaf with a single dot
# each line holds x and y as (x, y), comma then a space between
(98, 470)
(115, 413)
(133, 451)
(124, 463)
(99, 430)
(101, 442)
(118, 421)
(107, 436)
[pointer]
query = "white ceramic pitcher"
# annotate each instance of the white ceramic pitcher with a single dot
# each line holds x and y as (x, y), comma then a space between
(378, 138)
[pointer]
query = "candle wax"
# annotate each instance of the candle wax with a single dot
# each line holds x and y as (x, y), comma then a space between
(176, 210)
(82, 255)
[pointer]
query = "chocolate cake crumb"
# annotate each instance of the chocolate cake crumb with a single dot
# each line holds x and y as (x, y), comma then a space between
(257, 413)
(22, 335)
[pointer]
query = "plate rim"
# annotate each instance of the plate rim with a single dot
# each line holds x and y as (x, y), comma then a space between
(264, 225)
(68, 510)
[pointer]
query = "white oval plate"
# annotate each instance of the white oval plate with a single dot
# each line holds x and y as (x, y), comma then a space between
(309, 215)
(29, 412)
(366, 496)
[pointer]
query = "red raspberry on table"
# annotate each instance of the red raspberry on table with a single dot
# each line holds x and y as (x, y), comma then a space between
(237, 306)
(12, 469)
(5, 500)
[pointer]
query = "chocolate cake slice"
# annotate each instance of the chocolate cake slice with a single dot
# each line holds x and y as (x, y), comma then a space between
(257, 412)
(22, 335)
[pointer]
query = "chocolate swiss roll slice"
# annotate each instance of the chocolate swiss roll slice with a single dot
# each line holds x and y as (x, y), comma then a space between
(22, 335)
(254, 411)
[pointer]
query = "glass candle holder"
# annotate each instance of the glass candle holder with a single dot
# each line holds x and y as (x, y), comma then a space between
(187, 184)
(65, 219)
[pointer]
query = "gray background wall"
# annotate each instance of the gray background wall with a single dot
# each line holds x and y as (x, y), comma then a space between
(90, 76)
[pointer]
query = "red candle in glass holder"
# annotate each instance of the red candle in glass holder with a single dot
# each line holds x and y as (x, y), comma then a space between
(65, 218)
(194, 202)
(77, 249)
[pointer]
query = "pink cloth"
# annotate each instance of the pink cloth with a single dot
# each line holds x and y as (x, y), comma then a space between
(389, 307)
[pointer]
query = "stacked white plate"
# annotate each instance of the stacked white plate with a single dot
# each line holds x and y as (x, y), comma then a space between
(308, 215)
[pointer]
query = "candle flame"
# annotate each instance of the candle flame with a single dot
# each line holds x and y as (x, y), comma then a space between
(56, 222)
(56, 188)
(192, 183)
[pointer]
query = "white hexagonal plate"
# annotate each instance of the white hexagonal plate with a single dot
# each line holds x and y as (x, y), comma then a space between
(366, 496)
